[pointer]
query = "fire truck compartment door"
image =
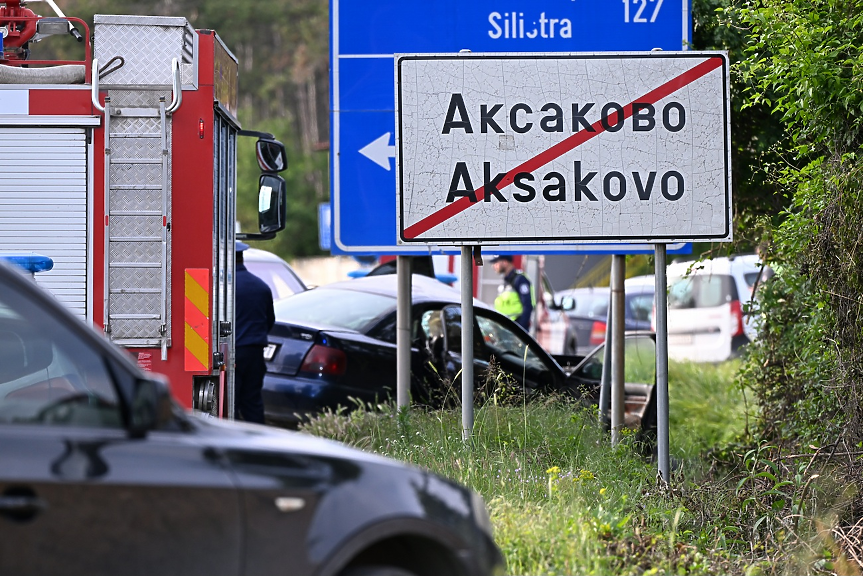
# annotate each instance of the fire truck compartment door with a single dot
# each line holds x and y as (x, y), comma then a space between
(44, 202)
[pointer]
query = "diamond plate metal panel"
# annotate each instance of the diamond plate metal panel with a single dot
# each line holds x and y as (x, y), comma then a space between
(130, 127)
(137, 99)
(189, 74)
(135, 174)
(147, 44)
(140, 252)
(136, 227)
(135, 279)
(168, 287)
(139, 262)
(145, 304)
(136, 148)
(135, 200)
(135, 331)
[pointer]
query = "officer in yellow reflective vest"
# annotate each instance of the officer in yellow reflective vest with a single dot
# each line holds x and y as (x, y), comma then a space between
(516, 300)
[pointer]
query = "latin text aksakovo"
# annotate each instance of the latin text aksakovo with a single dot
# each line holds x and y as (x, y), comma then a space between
(577, 184)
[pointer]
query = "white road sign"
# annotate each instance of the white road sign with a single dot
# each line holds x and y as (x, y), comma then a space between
(501, 149)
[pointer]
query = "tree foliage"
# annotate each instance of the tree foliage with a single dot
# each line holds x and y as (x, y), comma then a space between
(282, 48)
(755, 132)
(803, 62)
(305, 178)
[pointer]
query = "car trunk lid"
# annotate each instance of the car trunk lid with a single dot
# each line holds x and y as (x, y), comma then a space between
(292, 343)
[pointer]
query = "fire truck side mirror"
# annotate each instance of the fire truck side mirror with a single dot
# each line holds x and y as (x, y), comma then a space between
(272, 201)
(272, 156)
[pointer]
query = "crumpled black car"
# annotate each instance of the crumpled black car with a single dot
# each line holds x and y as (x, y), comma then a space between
(102, 473)
(335, 346)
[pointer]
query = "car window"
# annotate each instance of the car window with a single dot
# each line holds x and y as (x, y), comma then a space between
(434, 322)
(502, 341)
(278, 277)
(640, 360)
(386, 330)
(452, 326)
(750, 278)
(761, 278)
(48, 376)
(547, 292)
(338, 308)
(591, 305)
(641, 307)
(432, 325)
(639, 354)
(701, 291)
(681, 293)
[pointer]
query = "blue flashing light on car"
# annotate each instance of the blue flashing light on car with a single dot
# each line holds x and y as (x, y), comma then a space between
(29, 261)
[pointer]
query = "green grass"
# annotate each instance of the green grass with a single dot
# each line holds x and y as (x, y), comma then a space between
(707, 407)
(562, 500)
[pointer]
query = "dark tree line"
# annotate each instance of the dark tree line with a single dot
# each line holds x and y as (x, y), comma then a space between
(282, 49)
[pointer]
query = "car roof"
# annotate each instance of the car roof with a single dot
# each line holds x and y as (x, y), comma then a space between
(722, 265)
(423, 288)
(646, 280)
(587, 290)
(636, 288)
(261, 255)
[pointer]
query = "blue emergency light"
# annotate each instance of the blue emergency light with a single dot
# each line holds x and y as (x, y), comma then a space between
(29, 261)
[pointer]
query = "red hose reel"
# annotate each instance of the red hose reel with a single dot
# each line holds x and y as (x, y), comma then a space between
(19, 25)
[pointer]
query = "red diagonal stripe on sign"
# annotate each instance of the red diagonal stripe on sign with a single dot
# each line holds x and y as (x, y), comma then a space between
(564, 146)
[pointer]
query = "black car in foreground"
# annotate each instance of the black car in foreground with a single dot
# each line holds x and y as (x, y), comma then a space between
(335, 345)
(102, 473)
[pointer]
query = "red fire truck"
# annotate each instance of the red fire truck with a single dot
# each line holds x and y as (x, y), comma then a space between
(121, 167)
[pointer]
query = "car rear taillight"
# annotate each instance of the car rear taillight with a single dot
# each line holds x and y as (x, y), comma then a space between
(597, 333)
(323, 360)
(736, 318)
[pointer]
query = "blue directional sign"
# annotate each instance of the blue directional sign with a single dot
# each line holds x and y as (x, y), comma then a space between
(325, 232)
(366, 34)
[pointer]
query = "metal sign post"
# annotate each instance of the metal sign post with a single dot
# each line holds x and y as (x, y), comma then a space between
(403, 332)
(662, 442)
(618, 391)
(605, 382)
(466, 342)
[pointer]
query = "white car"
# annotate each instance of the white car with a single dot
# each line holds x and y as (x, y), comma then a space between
(706, 304)
(277, 273)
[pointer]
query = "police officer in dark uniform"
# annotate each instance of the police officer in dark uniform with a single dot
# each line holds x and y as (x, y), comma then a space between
(516, 301)
(254, 319)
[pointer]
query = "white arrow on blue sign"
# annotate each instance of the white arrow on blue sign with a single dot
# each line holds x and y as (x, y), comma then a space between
(380, 151)
(366, 35)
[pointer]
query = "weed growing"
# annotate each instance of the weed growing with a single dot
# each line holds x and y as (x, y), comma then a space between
(563, 501)
(707, 406)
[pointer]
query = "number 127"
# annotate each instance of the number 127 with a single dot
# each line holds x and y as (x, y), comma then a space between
(639, 15)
